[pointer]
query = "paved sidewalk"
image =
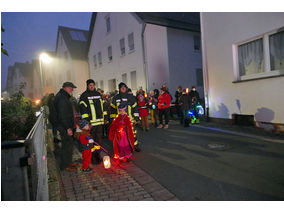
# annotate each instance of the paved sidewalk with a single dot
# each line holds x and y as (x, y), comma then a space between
(247, 131)
(123, 181)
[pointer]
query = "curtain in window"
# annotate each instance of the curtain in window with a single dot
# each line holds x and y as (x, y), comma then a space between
(251, 57)
(276, 46)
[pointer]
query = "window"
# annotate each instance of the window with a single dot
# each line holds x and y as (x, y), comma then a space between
(108, 24)
(260, 57)
(276, 49)
(95, 62)
(109, 51)
(77, 35)
(131, 41)
(100, 58)
(102, 84)
(112, 85)
(199, 77)
(68, 72)
(133, 80)
(122, 46)
(251, 57)
(124, 78)
(196, 40)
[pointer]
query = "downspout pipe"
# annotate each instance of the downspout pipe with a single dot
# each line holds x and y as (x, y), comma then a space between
(144, 57)
(204, 68)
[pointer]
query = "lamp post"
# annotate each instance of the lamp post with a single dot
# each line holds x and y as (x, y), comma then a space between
(45, 58)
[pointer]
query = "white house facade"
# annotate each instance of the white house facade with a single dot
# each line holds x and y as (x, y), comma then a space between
(115, 52)
(143, 50)
(71, 59)
(243, 65)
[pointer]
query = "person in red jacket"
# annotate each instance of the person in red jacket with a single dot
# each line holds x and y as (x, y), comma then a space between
(164, 104)
(86, 145)
(121, 134)
(143, 111)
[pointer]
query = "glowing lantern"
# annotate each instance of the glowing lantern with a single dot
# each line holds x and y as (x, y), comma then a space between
(146, 95)
(106, 161)
(200, 109)
(37, 101)
(186, 90)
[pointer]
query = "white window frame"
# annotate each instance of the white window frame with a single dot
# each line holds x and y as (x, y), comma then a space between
(109, 52)
(122, 53)
(129, 47)
(266, 59)
(100, 60)
(102, 84)
(95, 61)
(133, 80)
(124, 78)
(108, 29)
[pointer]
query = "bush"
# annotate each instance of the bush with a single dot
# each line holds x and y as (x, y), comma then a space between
(17, 117)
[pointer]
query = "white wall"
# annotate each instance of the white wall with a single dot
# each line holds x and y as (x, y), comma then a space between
(261, 98)
(79, 71)
(156, 53)
(122, 24)
(183, 60)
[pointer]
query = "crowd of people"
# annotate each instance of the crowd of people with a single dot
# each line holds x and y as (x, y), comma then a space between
(116, 116)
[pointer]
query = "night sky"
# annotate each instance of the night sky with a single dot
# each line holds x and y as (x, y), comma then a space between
(28, 33)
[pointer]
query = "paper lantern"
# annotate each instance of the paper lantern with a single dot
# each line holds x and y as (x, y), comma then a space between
(106, 161)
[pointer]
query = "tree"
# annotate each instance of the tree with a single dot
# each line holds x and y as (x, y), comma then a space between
(17, 117)
(2, 49)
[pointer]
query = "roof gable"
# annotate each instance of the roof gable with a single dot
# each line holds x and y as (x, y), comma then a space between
(75, 40)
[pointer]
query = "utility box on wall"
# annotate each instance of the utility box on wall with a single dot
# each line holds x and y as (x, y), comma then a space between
(243, 120)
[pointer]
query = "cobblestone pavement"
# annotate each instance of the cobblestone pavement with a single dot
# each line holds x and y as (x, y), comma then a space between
(123, 181)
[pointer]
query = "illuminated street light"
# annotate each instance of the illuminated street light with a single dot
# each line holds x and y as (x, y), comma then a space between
(45, 58)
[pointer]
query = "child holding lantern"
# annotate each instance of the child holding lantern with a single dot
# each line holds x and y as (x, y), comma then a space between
(121, 134)
(86, 145)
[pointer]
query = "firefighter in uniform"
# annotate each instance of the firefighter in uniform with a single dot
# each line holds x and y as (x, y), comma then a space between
(92, 110)
(131, 110)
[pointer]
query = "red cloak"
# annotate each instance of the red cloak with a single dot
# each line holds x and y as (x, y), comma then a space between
(114, 132)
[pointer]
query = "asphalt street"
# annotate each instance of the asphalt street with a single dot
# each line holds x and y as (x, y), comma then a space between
(201, 164)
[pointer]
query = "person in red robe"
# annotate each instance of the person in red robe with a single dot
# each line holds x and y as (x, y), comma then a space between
(121, 134)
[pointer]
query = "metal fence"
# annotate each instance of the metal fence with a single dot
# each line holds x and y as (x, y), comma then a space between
(36, 144)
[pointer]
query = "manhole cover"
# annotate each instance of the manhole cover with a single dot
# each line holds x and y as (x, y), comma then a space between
(218, 146)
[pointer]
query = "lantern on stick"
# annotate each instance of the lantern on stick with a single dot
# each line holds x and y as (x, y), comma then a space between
(106, 160)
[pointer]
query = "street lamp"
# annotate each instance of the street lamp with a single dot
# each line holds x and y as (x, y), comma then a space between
(45, 58)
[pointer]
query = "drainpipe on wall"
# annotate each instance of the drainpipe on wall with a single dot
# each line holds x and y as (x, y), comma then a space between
(205, 68)
(144, 57)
